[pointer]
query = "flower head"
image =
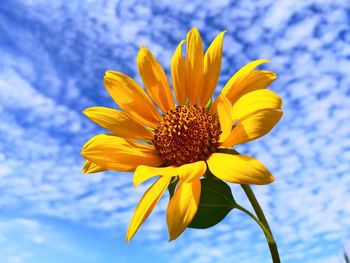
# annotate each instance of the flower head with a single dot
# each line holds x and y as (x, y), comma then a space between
(187, 137)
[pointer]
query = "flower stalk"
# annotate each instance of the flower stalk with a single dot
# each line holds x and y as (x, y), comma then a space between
(262, 219)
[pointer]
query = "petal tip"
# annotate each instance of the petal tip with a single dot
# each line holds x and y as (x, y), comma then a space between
(222, 34)
(127, 240)
(193, 34)
(181, 42)
(86, 112)
(172, 236)
(108, 73)
(143, 50)
(82, 152)
(273, 76)
(136, 180)
(264, 60)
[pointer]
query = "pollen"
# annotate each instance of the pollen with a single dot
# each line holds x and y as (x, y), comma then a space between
(186, 134)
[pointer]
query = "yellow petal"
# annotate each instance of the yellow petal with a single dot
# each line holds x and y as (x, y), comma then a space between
(90, 167)
(131, 98)
(254, 101)
(194, 64)
(245, 80)
(186, 171)
(234, 86)
(143, 173)
(155, 80)
(190, 171)
(253, 126)
(178, 75)
(183, 206)
(239, 169)
(257, 79)
(224, 113)
(212, 66)
(146, 205)
(118, 122)
(116, 153)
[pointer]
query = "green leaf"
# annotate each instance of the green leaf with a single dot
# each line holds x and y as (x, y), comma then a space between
(210, 102)
(172, 186)
(228, 151)
(215, 203)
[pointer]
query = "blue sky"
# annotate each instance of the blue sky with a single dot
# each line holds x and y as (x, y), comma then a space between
(53, 55)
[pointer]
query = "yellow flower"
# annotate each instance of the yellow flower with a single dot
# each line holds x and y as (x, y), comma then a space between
(185, 139)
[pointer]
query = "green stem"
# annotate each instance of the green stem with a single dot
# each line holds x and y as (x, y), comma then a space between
(270, 240)
(346, 258)
(266, 231)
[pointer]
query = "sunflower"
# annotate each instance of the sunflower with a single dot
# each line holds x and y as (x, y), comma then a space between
(154, 136)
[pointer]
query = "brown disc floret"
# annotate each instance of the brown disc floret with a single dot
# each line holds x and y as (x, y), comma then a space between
(186, 134)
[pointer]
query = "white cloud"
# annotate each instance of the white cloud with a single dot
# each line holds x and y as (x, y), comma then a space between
(51, 76)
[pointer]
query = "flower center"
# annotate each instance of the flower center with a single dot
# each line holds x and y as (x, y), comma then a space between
(186, 134)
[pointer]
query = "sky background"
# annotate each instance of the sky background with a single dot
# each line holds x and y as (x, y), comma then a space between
(53, 55)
